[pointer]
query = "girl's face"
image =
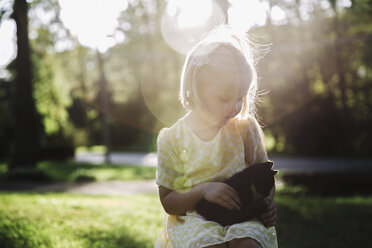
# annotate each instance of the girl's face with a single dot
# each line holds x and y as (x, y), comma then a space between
(221, 95)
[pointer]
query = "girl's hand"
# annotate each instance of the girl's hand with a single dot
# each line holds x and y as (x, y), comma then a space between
(268, 218)
(222, 194)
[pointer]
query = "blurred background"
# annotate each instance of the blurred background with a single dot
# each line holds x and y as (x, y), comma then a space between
(107, 73)
(86, 85)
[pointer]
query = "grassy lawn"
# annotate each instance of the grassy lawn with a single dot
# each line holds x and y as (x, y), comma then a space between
(314, 221)
(307, 218)
(65, 220)
(73, 171)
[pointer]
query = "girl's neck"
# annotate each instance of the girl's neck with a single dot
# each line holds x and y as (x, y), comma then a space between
(200, 126)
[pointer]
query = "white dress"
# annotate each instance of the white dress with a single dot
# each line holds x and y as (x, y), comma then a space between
(185, 161)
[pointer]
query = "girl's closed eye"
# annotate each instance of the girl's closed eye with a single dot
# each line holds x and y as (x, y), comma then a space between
(225, 99)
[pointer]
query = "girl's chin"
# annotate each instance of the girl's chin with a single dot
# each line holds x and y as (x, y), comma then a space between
(223, 121)
(219, 122)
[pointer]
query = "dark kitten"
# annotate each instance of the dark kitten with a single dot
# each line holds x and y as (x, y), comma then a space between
(258, 178)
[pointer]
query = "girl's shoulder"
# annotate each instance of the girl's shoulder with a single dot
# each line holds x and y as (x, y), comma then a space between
(250, 130)
(249, 120)
(246, 124)
(168, 134)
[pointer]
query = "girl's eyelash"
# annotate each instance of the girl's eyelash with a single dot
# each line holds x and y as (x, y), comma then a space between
(223, 98)
(228, 99)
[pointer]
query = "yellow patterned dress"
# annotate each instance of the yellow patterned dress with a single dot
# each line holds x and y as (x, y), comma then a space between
(184, 160)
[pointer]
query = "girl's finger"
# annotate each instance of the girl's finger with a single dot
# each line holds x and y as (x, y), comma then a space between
(271, 206)
(235, 205)
(230, 201)
(271, 209)
(269, 222)
(224, 204)
(234, 195)
(273, 216)
(268, 214)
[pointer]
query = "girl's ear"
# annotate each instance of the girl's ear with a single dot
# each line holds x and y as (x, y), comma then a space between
(275, 172)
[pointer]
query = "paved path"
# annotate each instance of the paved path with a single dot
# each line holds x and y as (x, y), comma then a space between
(94, 188)
(150, 187)
(143, 159)
(287, 164)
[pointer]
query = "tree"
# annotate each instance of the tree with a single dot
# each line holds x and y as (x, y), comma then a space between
(319, 104)
(26, 121)
(103, 98)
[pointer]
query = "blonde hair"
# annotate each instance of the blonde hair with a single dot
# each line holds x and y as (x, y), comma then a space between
(227, 42)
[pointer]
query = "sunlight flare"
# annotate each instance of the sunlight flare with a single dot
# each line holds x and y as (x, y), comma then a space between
(95, 25)
(243, 15)
(185, 21)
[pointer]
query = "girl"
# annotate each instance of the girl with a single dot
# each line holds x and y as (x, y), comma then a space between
(216, 138)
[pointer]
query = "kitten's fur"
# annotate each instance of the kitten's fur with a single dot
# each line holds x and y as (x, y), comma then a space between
(257, 177)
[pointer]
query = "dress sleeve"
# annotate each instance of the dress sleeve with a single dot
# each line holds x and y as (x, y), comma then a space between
(254, 141)
(166, 174)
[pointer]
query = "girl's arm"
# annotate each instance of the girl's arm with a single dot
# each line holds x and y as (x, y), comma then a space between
(175, 203)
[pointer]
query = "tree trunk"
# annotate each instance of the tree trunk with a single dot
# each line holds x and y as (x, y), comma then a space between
(26, 129)
(104, 107)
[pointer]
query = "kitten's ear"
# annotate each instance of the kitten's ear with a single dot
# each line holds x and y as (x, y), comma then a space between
(270, 164)
(275, 172)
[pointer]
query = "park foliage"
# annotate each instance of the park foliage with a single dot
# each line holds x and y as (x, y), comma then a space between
(316, 81)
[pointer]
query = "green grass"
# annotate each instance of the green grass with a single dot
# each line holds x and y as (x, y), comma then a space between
(333, 222)
(65, 220)
(73, 171)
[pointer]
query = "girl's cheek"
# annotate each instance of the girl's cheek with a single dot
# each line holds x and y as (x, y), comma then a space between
(232, 109)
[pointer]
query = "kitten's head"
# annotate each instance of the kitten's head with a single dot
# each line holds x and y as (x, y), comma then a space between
(264, 178)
